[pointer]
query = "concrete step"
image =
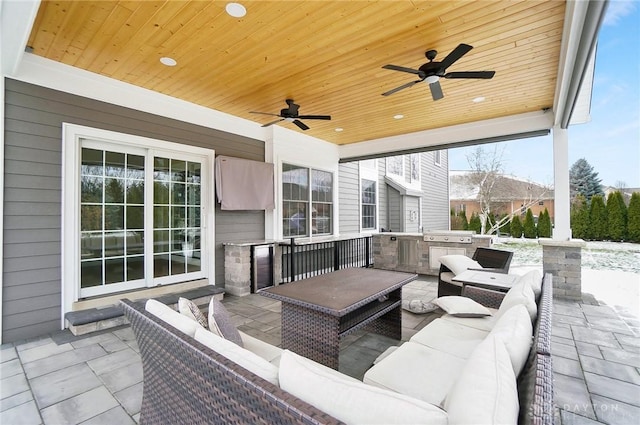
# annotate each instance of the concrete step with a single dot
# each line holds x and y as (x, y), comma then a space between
(82, 322)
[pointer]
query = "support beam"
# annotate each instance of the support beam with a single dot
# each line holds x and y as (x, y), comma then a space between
(562, 224)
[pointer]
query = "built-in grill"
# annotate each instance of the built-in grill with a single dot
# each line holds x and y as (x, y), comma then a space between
(450, 236)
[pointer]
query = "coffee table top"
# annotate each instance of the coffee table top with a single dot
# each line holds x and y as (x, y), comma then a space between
(486, 278)
(342, 291)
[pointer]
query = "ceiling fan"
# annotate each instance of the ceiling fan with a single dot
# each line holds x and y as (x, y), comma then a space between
(290, 114)
(431, 72)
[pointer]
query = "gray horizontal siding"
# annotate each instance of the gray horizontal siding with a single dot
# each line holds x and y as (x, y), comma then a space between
(348, 197)
(435, 189)
(32, 177)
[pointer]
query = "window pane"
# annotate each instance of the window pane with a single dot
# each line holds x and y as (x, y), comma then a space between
(135, 217)
(160, 192)
(321, 221)
(135, 243)
(178, 171)
(193, 172)
(114, 191)
(368, 191)
(322, 186)
(178, 193)
(294, 221)
(135, 167)
(161, 265)
(91, 245)
(114, 164)
(161, 241)
(90, 217)
(114, 270)
(91, 162)
(161, 217)
(90, 273)
(113, 217)
(113, 244)
(395, 165)
(91, 189)
(161, 169)
(415, 167)
(135, 268)
(135, 192)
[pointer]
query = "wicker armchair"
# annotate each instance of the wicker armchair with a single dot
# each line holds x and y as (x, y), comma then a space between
(494, 260)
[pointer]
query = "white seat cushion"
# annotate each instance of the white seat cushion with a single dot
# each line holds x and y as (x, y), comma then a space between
(416, 371)
(243, 357)
(486, 391)
(269, 352)
(482, 323)
(515, 330)
(450, 337)
(172, 317)
(348, 399)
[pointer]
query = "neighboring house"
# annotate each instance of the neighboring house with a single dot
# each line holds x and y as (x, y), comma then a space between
(626, 192)
(510, 194)
(405, 193)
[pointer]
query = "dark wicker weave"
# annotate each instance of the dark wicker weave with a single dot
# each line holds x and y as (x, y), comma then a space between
(188, 383)
(495, 260)
(535, 383)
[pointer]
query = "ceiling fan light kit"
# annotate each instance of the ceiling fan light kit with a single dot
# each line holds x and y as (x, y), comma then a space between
(431, 72)
(291, 114)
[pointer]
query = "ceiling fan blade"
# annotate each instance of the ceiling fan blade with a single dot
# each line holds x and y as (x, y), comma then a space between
(456, 54)
(300, 124)
(471, 74)
(401, 69)
(273, 122)
(314, 117)
(264, 113)
(436, 90)
(404, 86)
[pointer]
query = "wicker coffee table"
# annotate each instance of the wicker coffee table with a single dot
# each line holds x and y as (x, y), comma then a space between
(317, 312)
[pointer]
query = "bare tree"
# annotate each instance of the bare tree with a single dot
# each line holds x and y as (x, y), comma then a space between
(493, 188)
(486, 166)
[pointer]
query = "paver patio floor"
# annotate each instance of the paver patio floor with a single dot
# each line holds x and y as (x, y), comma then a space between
(97, 379)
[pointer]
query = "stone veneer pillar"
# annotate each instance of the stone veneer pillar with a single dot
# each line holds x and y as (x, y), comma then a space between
(237, 269)
(563, 259)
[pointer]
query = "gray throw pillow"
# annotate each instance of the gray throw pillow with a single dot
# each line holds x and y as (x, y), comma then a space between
(192, 311)
(220, 321)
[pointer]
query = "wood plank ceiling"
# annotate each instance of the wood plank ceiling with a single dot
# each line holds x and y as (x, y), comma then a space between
(326, 55)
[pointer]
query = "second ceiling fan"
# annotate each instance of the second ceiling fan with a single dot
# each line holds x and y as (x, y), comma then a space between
(291, 114)
(431, 72)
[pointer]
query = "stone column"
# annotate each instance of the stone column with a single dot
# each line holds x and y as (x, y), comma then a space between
(237, 269)
(563, 259)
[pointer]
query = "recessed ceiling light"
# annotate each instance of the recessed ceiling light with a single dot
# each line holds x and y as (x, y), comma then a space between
(168, 61)
(339, 129)
(478, 99)
(236, 10)
(398, 117)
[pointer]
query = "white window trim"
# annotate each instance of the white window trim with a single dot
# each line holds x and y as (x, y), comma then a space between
(368, 174)
(72, 134)
(334, 203)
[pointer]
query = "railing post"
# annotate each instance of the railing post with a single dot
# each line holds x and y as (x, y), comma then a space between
(367, 246)
(336, 255)
(292, 262)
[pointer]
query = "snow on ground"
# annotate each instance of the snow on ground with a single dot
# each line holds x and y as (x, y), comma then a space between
(610, 270)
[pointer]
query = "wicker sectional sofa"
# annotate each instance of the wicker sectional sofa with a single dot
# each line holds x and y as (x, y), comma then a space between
(188, 377)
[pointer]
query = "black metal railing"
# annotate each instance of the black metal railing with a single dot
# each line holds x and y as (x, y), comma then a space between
(303, 260)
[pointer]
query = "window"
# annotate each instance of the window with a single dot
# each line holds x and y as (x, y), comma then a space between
(415, 167)
(369, 200)
(437, 157)
(395, 165)
(133, 211)
(298, 198)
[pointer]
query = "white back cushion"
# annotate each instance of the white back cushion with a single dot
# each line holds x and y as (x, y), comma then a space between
(348, 399)
(534, 279)
(520, 293)
(486, 391)
(172, 317)
(515, 330)
(245, 358)
(459, 263)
